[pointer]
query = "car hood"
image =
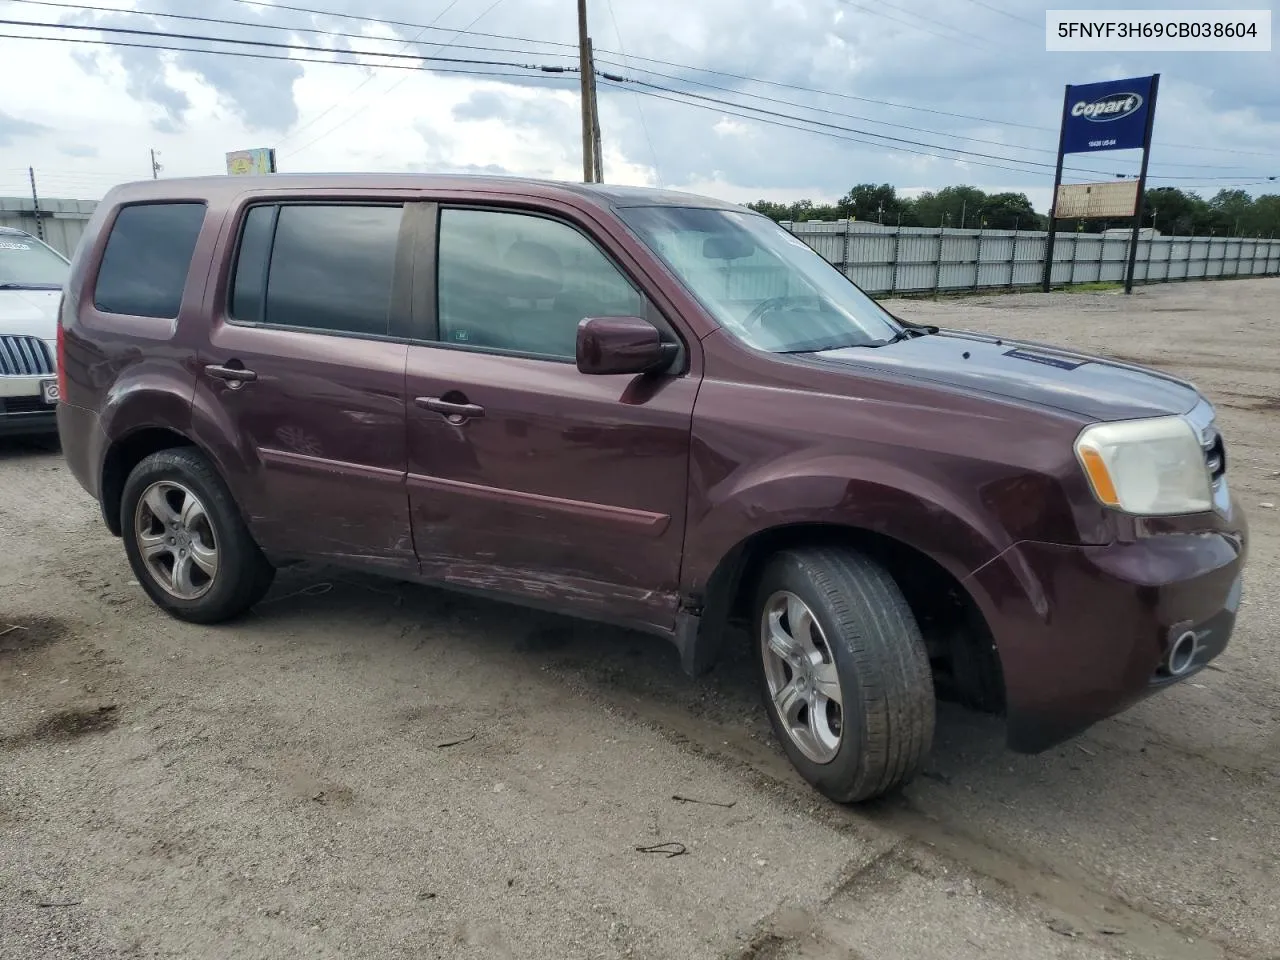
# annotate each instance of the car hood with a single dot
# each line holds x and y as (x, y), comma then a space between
(29, 313)
(1034, 373)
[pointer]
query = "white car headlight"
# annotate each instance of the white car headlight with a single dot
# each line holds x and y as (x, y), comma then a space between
(1147, 467)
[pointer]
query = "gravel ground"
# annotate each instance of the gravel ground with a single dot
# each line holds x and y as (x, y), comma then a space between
(371, 769)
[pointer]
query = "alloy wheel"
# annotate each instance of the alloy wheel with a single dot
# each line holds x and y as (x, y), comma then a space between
(801, 676)
(176, 540)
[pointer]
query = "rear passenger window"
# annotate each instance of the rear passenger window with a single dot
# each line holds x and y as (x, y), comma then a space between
(144, 267)
(317, 267)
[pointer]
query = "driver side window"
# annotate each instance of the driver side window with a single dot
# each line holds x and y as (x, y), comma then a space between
(522, 283)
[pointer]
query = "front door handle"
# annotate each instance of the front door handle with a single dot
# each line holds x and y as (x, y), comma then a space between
(453, 412)
(233, 375)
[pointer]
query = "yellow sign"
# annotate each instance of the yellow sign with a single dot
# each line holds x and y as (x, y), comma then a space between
(1116, 198)
(245, 163)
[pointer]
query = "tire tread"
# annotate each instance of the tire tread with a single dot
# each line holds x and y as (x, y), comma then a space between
(250, 571)
(876, 626)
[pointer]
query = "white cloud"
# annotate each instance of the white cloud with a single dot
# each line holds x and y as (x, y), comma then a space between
(88, 119)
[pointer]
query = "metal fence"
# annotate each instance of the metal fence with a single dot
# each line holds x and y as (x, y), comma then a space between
(62, 221)
(888, 260)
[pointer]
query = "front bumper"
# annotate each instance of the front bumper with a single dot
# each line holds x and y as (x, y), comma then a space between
(23, 408)
(1084, 632)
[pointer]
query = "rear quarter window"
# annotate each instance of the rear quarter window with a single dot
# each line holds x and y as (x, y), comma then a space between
(148, 255)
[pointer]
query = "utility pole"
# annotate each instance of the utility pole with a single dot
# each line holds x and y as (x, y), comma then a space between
(596, 152)
(156, 166)
(35, 203)
(585, 77)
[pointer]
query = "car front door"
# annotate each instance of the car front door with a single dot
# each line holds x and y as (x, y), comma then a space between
(304, 369)
(527, 477)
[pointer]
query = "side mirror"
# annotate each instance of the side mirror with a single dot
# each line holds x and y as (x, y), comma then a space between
(610, 345)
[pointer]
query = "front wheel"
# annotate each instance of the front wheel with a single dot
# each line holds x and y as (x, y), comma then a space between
(186, 540)
(844, 672)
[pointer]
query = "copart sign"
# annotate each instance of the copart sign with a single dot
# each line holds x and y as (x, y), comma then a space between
(1106, 116)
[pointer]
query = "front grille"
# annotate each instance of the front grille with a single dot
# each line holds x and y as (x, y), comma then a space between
(24, 357)
(24, 405)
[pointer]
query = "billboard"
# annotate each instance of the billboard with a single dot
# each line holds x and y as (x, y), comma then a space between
(1106, 116)
(241, 163)
(1112, 115)
(1082, 201)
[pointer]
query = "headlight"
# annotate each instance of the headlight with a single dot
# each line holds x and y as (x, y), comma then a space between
(1146, 467)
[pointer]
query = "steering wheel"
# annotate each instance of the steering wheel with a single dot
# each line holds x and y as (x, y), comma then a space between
(765, 307)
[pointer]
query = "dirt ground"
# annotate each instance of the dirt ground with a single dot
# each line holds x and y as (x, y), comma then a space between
(367, 769)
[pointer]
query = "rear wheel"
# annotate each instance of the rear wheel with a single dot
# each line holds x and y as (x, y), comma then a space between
(186, 541)
(844, 672)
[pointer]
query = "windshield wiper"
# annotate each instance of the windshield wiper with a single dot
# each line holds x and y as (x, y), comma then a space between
(10, 285)
(911, 329)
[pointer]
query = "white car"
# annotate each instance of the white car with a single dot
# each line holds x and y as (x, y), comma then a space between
(31, 278)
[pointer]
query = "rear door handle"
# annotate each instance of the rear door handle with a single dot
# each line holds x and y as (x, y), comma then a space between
(453, 412)
(233, 375)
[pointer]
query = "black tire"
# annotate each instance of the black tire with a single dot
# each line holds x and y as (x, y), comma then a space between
(887, 711)
(243, 574)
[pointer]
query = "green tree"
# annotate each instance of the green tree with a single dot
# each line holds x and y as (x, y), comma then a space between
(949, 207)
(1171, 211)
(867, 201)
(1265, 221)
(796, 212)
(1009, 211)
(1233, 212)
(772, 209)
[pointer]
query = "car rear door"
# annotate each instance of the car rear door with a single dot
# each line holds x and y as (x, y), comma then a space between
(527, 477)
(304, 372)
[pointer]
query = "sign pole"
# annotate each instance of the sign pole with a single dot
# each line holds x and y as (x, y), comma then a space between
(1057, 182)
(1140, 209)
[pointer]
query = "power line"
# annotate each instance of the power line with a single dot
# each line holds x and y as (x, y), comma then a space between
(262, 43)
(540, 73)
(360, 86)
(271, 26)
(315, 140)
(883, 123)
(915, 26)
(546, 69)
(820, 123)
(895, 141)
(712, 103)
(1006, 13)
(901, 106)
(825, 133)
(735, 76)
(639, 104)
(396, 23)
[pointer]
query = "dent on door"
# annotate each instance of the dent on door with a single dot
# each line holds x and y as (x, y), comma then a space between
(569, 490)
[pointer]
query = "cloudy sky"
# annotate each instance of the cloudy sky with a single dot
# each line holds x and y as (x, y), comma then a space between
(939, 75)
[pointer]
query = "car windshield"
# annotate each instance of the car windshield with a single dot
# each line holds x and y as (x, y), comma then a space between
(26, 263)
(766, 287)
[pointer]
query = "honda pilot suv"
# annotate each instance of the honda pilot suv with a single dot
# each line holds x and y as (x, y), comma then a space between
(31, 279)
(650, 409)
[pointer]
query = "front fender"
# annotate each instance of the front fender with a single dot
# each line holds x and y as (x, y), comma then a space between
(919, 511)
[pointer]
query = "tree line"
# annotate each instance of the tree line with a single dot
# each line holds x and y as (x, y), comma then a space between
(1168, 209)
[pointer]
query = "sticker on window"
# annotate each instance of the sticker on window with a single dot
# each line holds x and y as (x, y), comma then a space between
(13, 245)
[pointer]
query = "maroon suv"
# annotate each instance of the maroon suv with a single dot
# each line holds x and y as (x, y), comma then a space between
(652, 409)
